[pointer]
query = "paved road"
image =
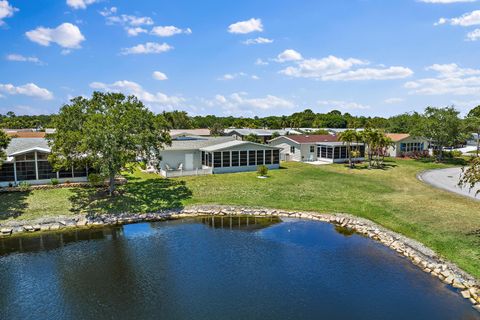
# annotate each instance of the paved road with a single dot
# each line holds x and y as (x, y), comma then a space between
(447, 179)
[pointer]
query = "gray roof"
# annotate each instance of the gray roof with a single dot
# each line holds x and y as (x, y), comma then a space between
(192, 143)
(19, 145)
(233, 144)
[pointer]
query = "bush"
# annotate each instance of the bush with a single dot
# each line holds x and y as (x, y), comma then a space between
(95, 179)
(54, 181)
(142, 165)
(262, 170)
(24, 186)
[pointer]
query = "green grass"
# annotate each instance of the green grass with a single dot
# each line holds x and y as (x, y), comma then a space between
(392, 197)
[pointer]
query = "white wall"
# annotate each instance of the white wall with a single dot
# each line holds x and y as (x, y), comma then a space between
(175, 157)
(284, 144)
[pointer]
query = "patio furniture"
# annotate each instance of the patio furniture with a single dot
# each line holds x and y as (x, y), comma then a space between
(180, 167)
(168, 167)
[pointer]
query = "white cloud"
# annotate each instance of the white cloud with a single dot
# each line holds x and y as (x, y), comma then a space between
(255, 77)
(260, 62)
(147, 48)
(108, 11)
(153, 100)
(450, 79)
(445, 1)
(157, 75)
(6, 11)
(239, 104)
(247, 26)
(289, 55)
(337, 69)
(80, 4)
(231, 76)
(168, 31)
(343, 105)
(29, 89)
(129, 20)
(258, 40)
(473, 35)
(20, 58)
(66, 35)
(465, 20)
(393, 100)
(135, 31)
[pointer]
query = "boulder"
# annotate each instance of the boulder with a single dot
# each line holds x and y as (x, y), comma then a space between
(465, 294)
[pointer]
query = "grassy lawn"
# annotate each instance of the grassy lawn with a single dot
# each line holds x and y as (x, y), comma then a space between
(393, 197)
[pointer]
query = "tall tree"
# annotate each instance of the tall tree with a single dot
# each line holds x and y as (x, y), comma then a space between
(107, 132)
(472, 122)
(217, 129)
(4, 142)
(441, 126)
(348, 137)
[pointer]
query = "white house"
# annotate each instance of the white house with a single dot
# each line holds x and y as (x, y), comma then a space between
(264, 134)
(195, 155)
(27, 161)
(405, 145)
(315, 148)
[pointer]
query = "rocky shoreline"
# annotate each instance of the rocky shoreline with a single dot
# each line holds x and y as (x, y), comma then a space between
(418, 254)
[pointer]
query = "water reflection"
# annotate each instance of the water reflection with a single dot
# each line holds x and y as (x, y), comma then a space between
(240, 222)
(49, 241)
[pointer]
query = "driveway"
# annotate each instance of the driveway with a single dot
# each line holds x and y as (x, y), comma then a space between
(447, 179)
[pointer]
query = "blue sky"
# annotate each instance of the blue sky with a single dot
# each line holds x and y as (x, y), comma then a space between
(242, 58)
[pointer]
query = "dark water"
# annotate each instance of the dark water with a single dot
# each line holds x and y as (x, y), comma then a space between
(217, 269)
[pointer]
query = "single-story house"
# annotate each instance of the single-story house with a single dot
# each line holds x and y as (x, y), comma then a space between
(264, 134)
(405, 144)
(197, 155)
(315, 148)
(332, 131)
(27, 161)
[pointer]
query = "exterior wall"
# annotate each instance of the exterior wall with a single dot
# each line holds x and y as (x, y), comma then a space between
(396, 150)
(305, 154)
(175, 157)
(45, 181)
(284, 144)
(243, 168)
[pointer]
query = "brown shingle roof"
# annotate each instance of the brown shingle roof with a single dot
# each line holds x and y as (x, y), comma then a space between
(397, 136)
(26, 134)
(312, 138)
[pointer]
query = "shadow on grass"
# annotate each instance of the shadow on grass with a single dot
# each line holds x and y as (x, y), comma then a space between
(134, 197)
(13, 204)
(387, 165)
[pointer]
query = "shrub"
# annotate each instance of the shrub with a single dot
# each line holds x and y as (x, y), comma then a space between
(262, 170)
(54, 181)
(142, 165)
(95, 179)
(24, 186)
(456, 153)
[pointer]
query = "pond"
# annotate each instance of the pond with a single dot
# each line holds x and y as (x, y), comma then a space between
(217, 268)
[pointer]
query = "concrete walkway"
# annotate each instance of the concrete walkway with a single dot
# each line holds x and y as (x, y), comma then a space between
(447, 179)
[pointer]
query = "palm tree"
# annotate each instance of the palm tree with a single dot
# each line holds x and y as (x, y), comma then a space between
(348, 137)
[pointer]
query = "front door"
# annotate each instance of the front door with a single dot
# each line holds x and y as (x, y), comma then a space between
(189, 161)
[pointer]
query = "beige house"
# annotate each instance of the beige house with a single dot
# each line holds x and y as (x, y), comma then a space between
(405, 145)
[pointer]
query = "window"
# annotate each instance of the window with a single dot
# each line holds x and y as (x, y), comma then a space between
(217, 159)
(276, 156)
(411, 147)
(329, 152)
(343, 152)
(322, 151)
(80, 172)
(259, 157)
(268, 156)
(226, 159)
(204, 160)
(251, 158)
(26, 170)
(292, 149)
(209, 159)
(312, 149)
(235, 158)
(42, 156)
(45, 170)
(7, 172)
(243, 158)
(336, 152)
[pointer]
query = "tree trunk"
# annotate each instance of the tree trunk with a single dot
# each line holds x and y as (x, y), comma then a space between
(111, 187)
(478, 143)
(349, 155)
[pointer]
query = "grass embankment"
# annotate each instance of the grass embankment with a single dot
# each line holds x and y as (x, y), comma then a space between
(392, 197)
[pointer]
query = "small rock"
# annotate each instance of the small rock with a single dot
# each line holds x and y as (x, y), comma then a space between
(449, 279)
(6, 231)
(457, 284)
(465, 294)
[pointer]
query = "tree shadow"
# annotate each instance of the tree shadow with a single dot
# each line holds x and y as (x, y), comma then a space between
(13, 204)
(135, 196)
(387, 165)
